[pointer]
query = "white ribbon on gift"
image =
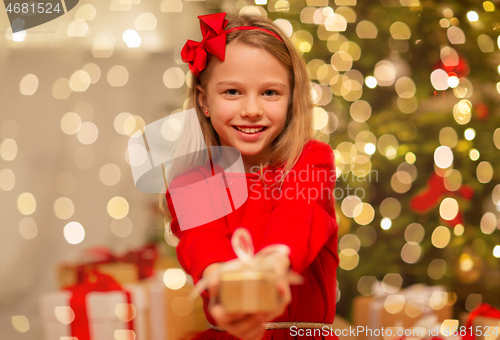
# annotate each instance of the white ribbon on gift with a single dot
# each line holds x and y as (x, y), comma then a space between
(242, 244)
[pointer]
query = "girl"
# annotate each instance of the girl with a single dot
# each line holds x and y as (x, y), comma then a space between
(251, 91)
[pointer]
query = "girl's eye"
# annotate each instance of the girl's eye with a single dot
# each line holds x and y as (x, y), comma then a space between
(270, 93)
(232, 92)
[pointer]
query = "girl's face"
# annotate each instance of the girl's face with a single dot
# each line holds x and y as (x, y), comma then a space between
(247, 99)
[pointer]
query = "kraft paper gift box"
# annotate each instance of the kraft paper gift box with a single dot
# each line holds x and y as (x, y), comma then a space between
(374, 312)
(107, 312)
(248, 291)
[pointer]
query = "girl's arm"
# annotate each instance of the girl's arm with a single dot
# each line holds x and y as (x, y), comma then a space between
(204, 245)
(304, 216)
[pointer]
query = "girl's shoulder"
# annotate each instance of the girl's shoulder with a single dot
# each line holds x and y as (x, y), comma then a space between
(316, 152)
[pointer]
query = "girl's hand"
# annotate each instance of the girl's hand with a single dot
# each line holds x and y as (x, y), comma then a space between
(242, 326)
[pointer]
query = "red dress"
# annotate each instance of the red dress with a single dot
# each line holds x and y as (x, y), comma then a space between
(301, 216)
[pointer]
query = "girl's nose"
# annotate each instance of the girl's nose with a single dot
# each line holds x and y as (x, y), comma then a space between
(251, 108)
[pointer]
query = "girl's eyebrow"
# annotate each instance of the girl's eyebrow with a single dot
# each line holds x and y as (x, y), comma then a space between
(269, 83)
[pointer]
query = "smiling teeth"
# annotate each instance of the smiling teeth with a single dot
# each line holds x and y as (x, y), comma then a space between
(249, 130)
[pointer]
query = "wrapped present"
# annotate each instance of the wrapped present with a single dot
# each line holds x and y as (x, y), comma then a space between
(402, 309)
(483, 323)
(96, 309)
(127, 268)
(248, 284)
(173, 314)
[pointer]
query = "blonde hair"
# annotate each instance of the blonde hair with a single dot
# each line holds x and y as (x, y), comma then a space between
(288, 146)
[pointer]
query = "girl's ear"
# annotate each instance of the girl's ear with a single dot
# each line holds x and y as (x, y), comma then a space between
(202, 100)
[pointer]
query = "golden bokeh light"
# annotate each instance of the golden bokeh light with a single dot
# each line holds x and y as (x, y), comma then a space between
(7, 179)
(88, 133)
(394, 303)
(489, 223)
(485, 43)
(349, 204)
(455, 35)
(28, 85)
(437, 269)
(20, 323)
(79, 81)
(411, 252)
(174, 278)
(390, 208)
(441, 237)
(484, 172)
(26, 203)
(118, 207)
(28, 228)
(366, 29)
(8, 149)
(448, 209)
(405, 87)
(122, 227)
(364, 213)
(443, 157)
(171, 6)
(414, 232)
(174, 78)
(365, 285)
(145, 22)
(392, 283)
(349, 241)
(64, 208)
(74, 233)
(71, 123)
(348, 259)
(61, 89)
(400, 31)
(117, 76)
(448, 137)
(64, 314)
(452, 180)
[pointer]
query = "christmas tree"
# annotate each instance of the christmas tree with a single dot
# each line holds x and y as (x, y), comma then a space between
(406, 94)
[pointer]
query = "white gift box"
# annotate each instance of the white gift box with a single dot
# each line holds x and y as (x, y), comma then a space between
(108, 314)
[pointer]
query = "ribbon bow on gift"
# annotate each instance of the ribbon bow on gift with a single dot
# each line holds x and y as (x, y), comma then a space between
(242, 244)
(485, 310)
(214, 41)
(144, 258)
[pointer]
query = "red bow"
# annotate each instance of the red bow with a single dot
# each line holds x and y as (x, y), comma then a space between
(214, 41)
(429, 197)
(483, 309)
(144, 258)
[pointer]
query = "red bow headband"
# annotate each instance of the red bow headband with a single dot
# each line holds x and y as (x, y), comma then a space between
(214, 41)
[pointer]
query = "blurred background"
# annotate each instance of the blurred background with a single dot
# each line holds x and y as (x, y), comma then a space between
(406, 93)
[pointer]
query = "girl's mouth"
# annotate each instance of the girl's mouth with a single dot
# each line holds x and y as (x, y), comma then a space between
(249, 130)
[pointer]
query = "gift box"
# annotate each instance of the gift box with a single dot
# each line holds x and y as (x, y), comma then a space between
(88, 314)
(404, 309)
(127, 268)
(248, 291)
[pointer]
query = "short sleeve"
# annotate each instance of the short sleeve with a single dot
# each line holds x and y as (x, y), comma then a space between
(303, 216)
(205, 244)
